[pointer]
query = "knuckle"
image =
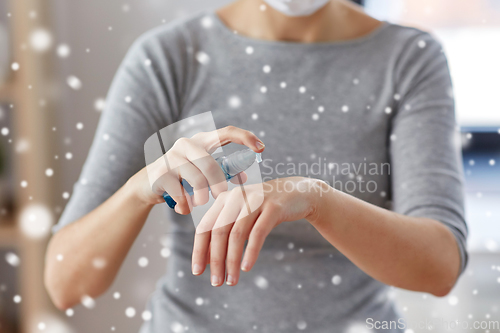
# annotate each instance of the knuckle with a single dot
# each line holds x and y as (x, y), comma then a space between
(199, 252)
(172, 154)
(201, 230)
(199, 182)
(219, 232)
(258, 233)
(256, 202)
(222, 196)
(212, 168)
(199, 136)
(256, 196)
(237, 235)
(232, 262)
(227, 131)
(217, 261)
(236, 193)
(273, 205)
(183, 143)
(248, 134)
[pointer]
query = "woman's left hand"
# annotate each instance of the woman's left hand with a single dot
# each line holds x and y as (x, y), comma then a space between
(222, 232)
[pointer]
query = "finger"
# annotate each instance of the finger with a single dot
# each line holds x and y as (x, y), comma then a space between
(201, 247)
(208, 220)
(197, 180)
(260, 230)
(194, 151)
(208, 256)
(237, 237)
(220, 236)
(170, 182)
(185, 204)
(210, 170)
(221, 137)
(243, 137)
(240, 178)
(218, 249)
(201, 253)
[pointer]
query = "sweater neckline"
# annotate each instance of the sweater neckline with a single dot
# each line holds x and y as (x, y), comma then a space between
(262, 42)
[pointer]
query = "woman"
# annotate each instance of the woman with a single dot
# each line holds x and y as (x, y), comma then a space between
(320, 82)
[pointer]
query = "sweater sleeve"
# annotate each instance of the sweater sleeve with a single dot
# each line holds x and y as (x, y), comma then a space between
(143, 98)
(427, 175)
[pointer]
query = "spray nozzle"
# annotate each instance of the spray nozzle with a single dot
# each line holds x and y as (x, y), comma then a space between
(239, 161)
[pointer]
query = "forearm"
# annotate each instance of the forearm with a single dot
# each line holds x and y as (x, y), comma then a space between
(84, 257)
(413, 253)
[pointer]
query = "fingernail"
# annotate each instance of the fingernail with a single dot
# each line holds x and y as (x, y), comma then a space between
(215, 280)
(230, 280)
(196, 269)
(245, 266)
(260, 144)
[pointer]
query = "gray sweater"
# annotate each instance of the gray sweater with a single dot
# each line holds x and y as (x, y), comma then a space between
(375, 113)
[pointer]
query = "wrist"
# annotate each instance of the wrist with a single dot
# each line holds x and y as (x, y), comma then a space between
(134, 192)
(316, 196)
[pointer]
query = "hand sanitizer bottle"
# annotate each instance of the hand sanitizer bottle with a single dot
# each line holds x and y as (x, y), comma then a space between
(231, 165)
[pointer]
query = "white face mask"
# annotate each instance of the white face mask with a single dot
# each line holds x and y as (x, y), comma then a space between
(297, 7)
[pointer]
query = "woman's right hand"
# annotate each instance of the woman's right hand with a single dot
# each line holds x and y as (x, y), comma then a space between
(190, 159)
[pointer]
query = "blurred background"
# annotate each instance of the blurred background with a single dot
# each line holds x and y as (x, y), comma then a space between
(57, 59)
